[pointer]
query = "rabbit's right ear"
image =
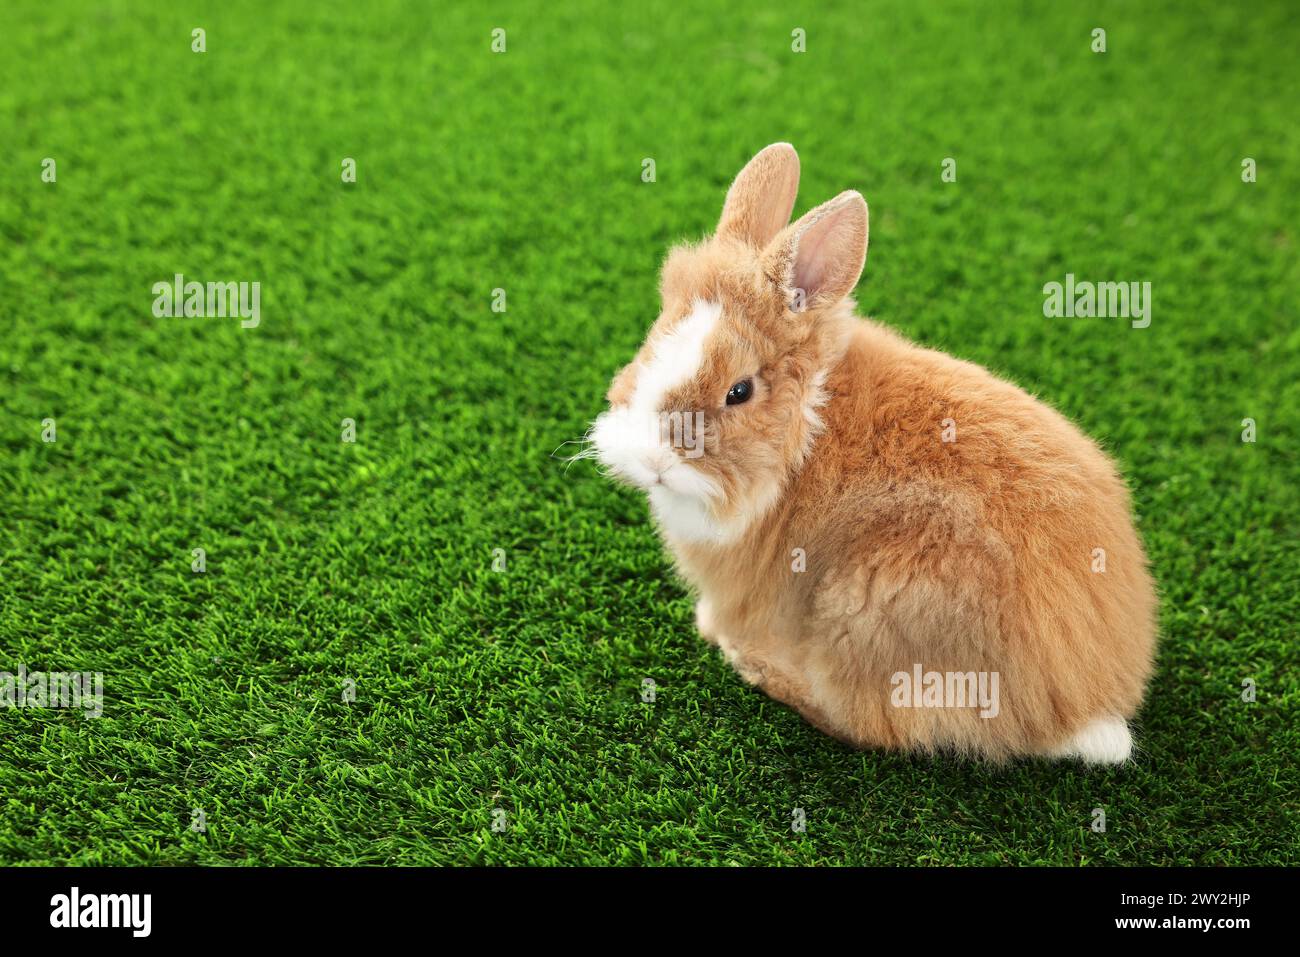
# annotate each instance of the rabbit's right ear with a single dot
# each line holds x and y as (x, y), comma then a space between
(759, 202)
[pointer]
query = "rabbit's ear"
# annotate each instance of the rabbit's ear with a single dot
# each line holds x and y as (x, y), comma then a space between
(818, 259)
(760, 200)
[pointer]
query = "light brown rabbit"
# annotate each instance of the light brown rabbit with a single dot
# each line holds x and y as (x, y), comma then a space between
(911, 552)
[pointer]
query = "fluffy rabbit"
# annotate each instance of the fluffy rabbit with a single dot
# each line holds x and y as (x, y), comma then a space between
(911, 552)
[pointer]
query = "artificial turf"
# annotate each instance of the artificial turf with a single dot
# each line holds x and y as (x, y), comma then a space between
(372, 562)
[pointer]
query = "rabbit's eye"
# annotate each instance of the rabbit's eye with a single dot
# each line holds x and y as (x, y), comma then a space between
(740, 392)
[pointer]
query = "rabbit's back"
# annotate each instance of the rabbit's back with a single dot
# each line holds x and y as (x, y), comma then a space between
(957, 525)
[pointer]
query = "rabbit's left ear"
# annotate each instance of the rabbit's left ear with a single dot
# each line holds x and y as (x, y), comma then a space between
(759, 202)
(817, 260)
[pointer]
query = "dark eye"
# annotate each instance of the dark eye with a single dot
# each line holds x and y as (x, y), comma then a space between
(740, 392)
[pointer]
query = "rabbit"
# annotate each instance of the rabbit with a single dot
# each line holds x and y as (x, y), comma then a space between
(880, 536)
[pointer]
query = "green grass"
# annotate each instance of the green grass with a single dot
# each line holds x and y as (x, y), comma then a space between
(373, 560)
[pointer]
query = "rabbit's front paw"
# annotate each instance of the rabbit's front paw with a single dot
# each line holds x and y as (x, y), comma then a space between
(751, 670)
(705, 623)
(787, 687)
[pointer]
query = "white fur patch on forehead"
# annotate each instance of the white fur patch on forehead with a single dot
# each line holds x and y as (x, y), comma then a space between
(676, 356)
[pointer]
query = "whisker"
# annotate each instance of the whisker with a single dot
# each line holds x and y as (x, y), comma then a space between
(581, 441)
(589, 451)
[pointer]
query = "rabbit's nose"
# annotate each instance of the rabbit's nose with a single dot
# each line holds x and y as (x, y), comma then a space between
(660, 460)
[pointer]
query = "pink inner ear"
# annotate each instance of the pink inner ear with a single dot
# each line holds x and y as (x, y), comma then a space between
(822, 249)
